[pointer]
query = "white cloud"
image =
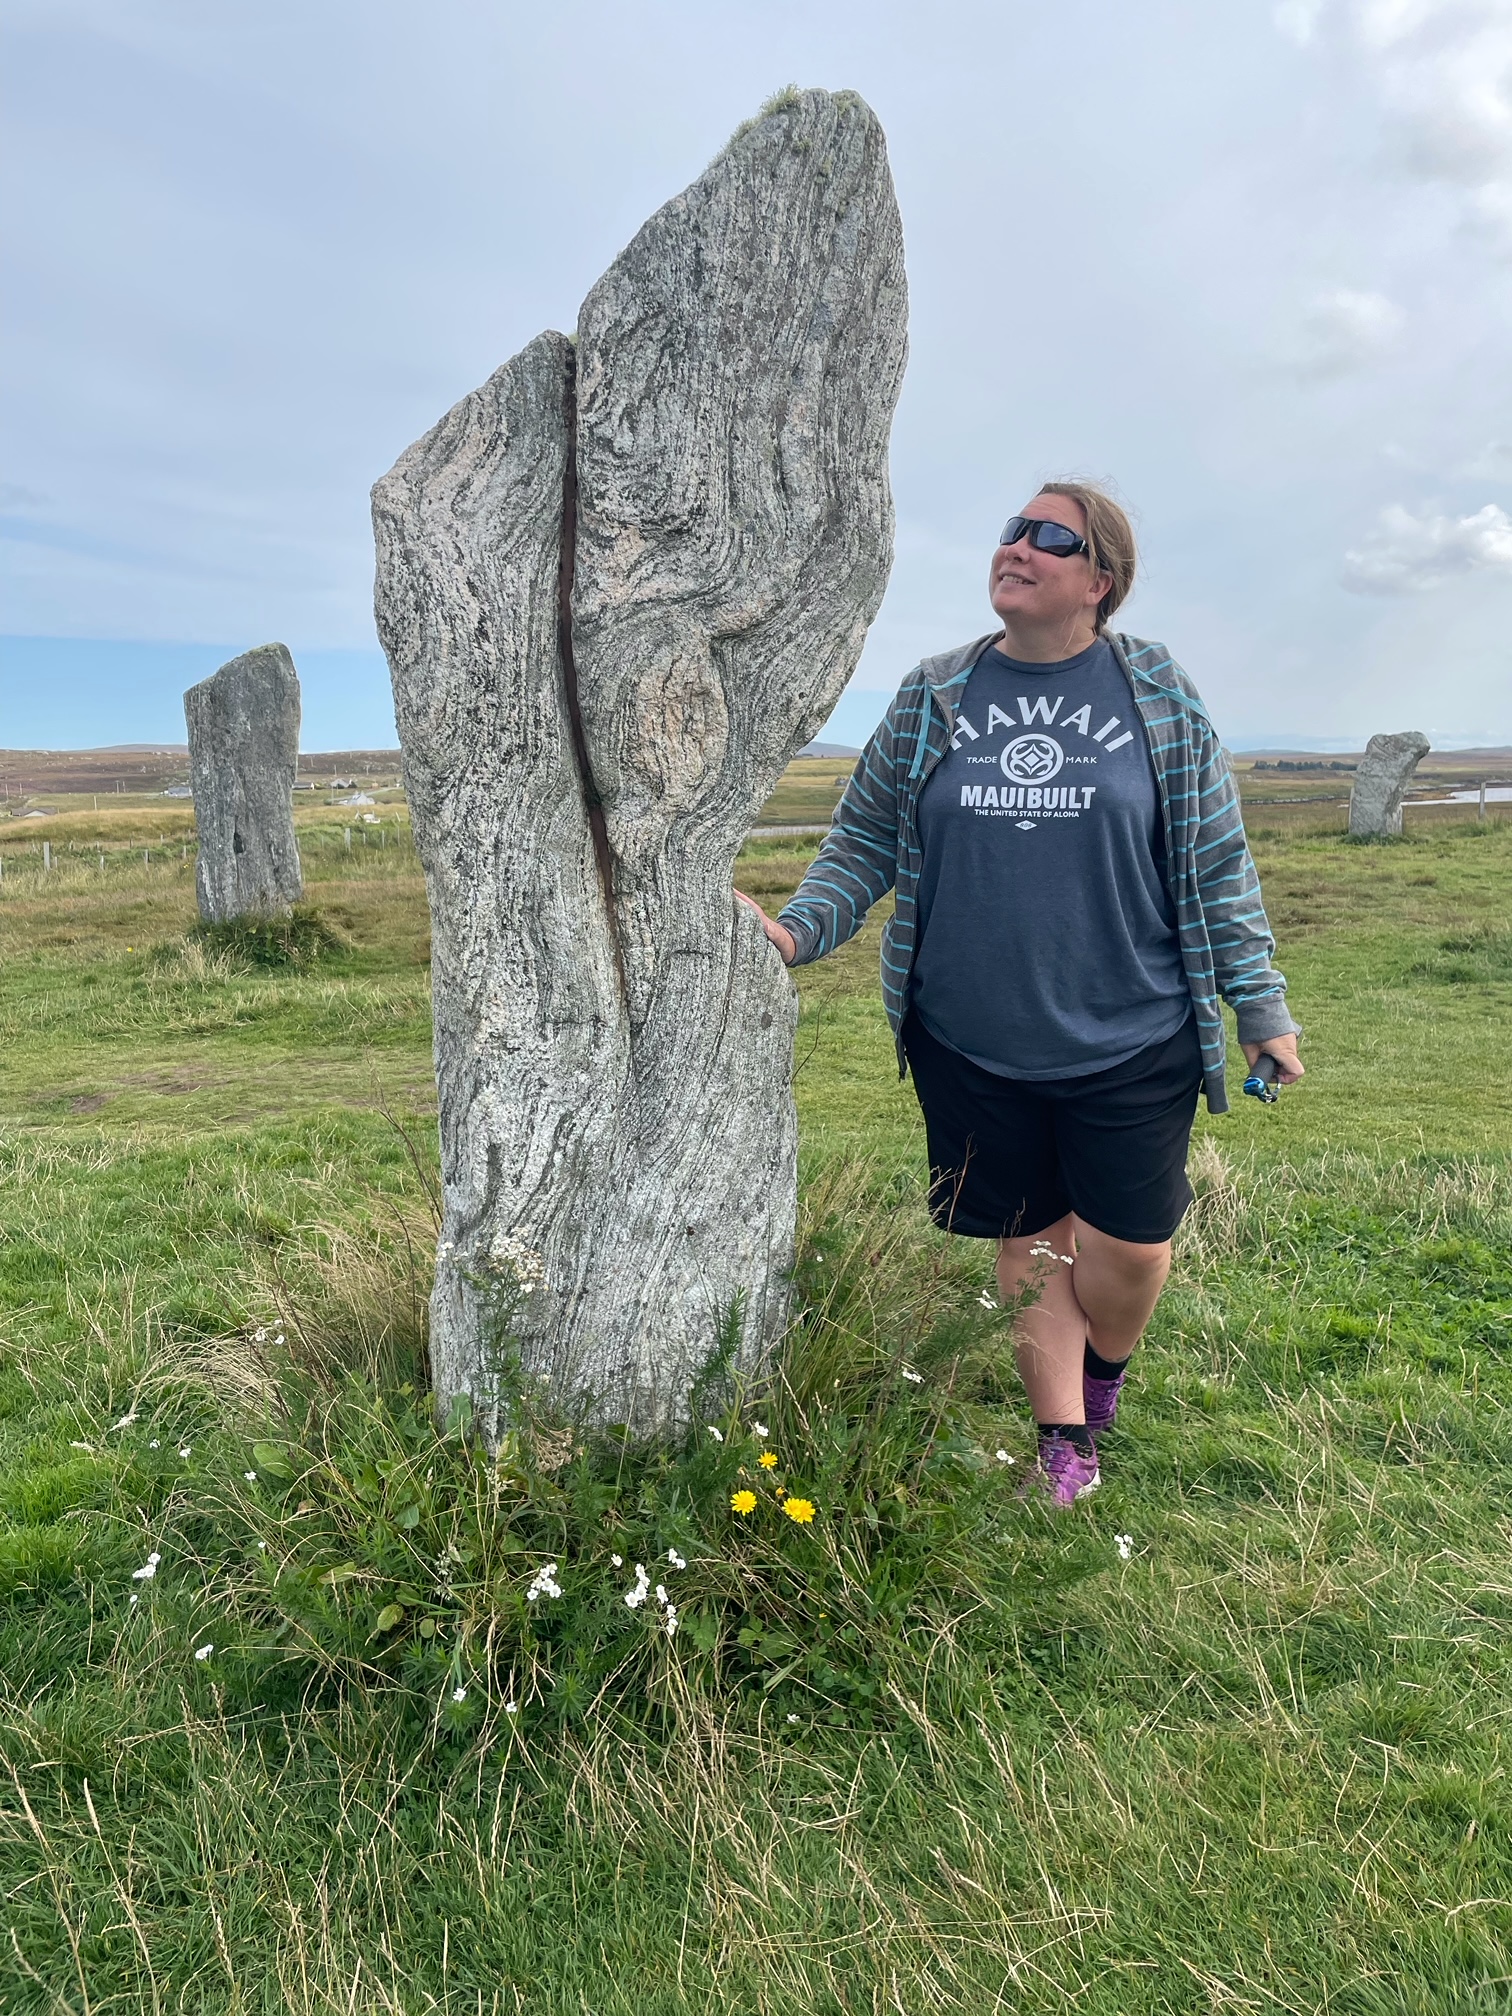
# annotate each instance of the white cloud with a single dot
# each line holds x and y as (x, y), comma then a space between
(1443, 69)
(1407, 553)
(1298, 20)
(18, 497)
(1342, 331)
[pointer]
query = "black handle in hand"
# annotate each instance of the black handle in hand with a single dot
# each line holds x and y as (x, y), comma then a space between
(1261, 1082)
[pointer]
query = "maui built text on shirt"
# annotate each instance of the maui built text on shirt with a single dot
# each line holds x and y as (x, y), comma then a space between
(1047, 944)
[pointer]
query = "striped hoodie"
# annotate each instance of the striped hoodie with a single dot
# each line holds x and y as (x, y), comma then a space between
(873, 845)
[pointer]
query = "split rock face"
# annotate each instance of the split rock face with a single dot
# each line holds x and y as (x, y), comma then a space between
(243, 752)
(1382, 782)
(619, 587)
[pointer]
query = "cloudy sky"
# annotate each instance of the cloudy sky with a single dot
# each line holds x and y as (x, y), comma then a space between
(1252, 262)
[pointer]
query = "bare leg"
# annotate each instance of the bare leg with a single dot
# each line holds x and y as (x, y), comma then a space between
(1118, 1284)
(1105, 1299)
(1049, 1336)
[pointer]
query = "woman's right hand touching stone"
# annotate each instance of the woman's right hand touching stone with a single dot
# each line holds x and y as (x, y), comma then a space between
(779, 934)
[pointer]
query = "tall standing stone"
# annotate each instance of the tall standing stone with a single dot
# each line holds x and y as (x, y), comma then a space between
(619, 587)
(1381, 783)
(243, 752)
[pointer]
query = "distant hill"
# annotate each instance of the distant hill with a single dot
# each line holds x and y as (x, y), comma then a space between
(151, 767)
(1436, 759)
(832, 752)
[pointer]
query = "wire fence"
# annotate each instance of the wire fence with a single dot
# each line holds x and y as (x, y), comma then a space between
(30, 865)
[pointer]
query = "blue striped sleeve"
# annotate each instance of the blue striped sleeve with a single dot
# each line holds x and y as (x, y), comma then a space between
(857, 861)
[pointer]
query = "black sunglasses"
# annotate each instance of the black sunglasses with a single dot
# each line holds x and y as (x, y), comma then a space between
(1045, 536)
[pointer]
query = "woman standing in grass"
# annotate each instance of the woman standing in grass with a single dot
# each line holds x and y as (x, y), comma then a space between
(1074, 894)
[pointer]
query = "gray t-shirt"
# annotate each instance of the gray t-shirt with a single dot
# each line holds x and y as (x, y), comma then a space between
(1047, 934)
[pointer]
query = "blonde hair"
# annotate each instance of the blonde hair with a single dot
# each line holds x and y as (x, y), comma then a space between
(1110, 540)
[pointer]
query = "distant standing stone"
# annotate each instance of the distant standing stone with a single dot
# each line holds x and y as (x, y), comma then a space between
(243, 749)
(1375, 803)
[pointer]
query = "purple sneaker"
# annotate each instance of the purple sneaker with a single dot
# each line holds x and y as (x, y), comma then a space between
(1064, 1472)
(1101, 1397)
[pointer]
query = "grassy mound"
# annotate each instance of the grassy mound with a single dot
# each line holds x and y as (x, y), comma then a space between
(299, 939)
(799, 1552)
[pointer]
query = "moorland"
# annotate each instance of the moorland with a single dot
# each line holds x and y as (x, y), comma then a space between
(1234, 1736)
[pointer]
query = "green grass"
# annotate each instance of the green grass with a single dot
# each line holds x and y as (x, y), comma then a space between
(1261, 1763)
(809, 792)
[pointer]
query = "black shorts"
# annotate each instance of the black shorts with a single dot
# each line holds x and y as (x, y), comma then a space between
(1010, 1156)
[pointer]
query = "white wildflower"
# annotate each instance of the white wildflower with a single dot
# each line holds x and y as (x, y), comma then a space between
(616, 1560)
(661, 1594)
(986, 1300)
(203, 1652)
(262, 1546)
(154, 1443)
(675, 1558)
(250, 1475)
(1003, 1456)
(917, 1378)
(670, 1626)
(641, 1588)
(185, 1452)
(545, 1583)
(125, 1421)
(511, 1707)
(715, 1432)
(148, 1570)
(459, 1694)
(1124, 1542)
(758, 1429)
(135, 1599)
(1043, 1250)
(792, 1718)
(260, 1337)
(510, 1256)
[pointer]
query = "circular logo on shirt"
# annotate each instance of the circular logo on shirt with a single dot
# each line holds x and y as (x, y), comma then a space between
(1032, 759)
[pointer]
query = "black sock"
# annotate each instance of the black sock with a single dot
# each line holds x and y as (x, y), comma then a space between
(1075, 1432)
(1102, 1368)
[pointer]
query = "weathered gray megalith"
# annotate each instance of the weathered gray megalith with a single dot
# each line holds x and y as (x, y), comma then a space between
(243, 752)
(619, 586)
(1381, 782)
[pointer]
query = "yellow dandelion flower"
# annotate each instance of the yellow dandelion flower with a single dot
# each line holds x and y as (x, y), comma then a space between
(767, 1460)
(743, 1502)
(799, 1509)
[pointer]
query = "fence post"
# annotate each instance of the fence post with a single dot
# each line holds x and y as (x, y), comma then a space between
(46, 855)
(1482, 813)
(348, 833)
